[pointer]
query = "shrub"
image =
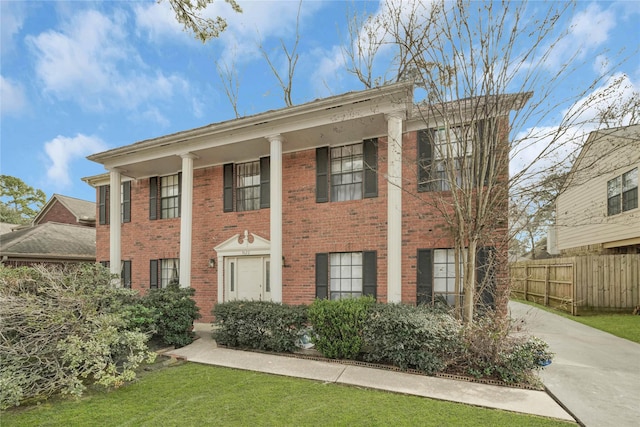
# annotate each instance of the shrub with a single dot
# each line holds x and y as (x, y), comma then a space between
(261, 325)
(338, 326)
(412, 337)
(173, 311)
(493, 350)
(61, 329)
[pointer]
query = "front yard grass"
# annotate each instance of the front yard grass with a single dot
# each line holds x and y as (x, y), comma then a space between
(192, 395)
(622, 325)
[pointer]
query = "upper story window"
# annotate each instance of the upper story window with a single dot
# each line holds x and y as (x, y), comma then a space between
(169, 196)
(125, 203)
(347, 172)
(622, 193)
(164, 196)
(447, 153)
(247, 184)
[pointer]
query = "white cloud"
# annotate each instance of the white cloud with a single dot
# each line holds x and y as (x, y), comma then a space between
(587, 30)
(62, 151)
(158, 21)
(13, 98)
(11, 21)
(544, 147)
(91, 61)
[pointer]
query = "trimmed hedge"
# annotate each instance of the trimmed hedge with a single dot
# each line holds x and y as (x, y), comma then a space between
(428, 339)
(260, 325)
(412, 337)
(172, 312)
(339, 325)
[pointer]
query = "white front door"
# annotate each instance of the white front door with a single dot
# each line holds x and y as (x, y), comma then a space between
(247, 278)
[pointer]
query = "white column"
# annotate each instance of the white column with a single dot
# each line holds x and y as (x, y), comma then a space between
(115, 253)
(186, 218)
(275, 222)
(394, 207)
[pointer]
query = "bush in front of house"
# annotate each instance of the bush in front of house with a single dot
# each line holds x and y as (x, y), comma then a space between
(338, 326)
(492, 349)
(64, 328)
(260, 325)
(410, 337)
(172, 310)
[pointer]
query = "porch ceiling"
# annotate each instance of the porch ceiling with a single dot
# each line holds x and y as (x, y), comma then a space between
(334, 121)
(220, 149)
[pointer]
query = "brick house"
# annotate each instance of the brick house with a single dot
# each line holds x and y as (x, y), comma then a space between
(324, 199)
(62, 232)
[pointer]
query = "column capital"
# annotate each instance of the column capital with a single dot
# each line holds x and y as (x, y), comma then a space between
(189, 155)
(277, 138)
(398, 114)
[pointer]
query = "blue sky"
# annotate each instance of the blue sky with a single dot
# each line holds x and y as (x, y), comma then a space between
(79, 77)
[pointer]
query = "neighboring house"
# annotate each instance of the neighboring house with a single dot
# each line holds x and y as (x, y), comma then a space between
(67, 210)
(331, 199)
(63, 231)
(7, 227)
(50, 242)
(597, 211)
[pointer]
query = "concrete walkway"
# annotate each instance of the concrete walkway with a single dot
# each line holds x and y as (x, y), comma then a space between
(594, 374)
(204, 350)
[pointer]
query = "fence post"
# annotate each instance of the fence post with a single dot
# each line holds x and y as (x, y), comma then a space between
(546, 286)
(526, 282)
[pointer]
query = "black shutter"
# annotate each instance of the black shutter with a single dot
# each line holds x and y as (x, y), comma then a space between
(485, 148)
(322, 276)
(370, 150)
(228, 188)
(126, 201)
(322, 174)
(153, 197)
(424, 284)
(104, 263)
(179, 193)
(102, 204)
(425, 158)
(485, 276)
(153, 274)
(369, 273)
(125, 276)
(265, 184)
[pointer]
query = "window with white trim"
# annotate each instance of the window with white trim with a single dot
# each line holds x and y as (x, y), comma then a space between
(444, 275)
(347, 172)
(170, 196)
(622, 193)
(248, 186)
(345, 275)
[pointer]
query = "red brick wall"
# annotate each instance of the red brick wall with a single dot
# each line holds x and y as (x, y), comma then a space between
(308, 228)
(58, 213)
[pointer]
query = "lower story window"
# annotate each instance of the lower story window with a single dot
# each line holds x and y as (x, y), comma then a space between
(444, 275)
(164, 272)
(169, 271)
(125, 272)
(345, 275)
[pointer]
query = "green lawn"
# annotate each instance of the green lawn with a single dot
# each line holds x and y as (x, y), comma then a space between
(625, 326)
(196, 395)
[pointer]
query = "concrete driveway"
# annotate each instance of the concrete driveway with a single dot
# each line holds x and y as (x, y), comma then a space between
(595, 375)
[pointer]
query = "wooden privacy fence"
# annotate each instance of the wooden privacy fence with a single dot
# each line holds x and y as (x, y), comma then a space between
(589, 282)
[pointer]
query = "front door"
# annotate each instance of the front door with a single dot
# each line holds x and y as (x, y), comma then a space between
(247, 278)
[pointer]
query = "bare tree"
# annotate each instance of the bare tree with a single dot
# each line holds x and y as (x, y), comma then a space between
(190, 14)
(228, 73)
(286, 82)
(490, 92)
